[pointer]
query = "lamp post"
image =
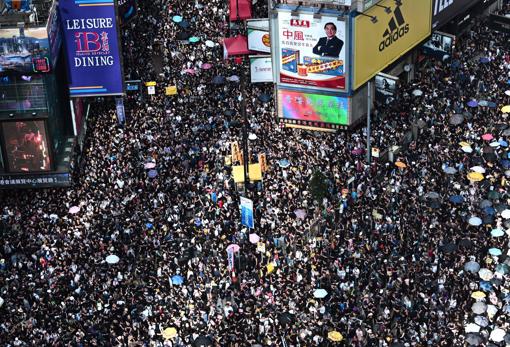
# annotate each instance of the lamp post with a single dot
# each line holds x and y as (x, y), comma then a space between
(369, 102)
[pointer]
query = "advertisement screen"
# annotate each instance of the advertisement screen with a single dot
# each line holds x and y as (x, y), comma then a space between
(379, 42)
(385, 88)
(311, 51)
(24, 51)
(313, 110)
(445, 10)
(26, 145)
(261, 69)
(23, 94)
(90, 34)
(54, 32)
(440, 45)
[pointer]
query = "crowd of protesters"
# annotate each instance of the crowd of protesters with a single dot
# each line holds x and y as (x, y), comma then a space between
(389, 247)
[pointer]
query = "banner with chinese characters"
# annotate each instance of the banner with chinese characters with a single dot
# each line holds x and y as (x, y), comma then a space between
(311, 52)
(311, 110)
(92, 47)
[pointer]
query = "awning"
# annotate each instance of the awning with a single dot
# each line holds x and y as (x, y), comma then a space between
(240, 10)
(235, 46)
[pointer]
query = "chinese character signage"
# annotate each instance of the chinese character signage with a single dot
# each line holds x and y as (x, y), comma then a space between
(311, 52)
(247, 213)
(313, 110)
(92, 47)
(43, 180)
(24, 51)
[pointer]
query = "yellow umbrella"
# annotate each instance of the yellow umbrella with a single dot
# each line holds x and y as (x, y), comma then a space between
(400, 165)
(335, 336)
(464, 144)
(270, 267)
(475, 176)
(478, 295)
(505, 109)
(169, 333)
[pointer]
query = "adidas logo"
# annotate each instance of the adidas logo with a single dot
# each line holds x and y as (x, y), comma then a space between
(397, 27)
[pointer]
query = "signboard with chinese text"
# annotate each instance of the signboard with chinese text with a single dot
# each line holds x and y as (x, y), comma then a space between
(311, 52)
(92, 46)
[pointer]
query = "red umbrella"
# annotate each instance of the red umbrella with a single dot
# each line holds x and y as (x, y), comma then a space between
(190, 71)
(206, 66)
(487, 137)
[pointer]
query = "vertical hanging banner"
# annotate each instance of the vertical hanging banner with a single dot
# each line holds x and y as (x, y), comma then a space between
(247, 213)
(92, 47)
(121, 113)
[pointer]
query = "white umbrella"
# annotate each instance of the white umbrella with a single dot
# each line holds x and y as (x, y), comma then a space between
(494, 144)
(472, 266)
(478, 169)
(417, 92)
(320, 293)
(209, 43)
(472, 328)
(254, 238)
(491, 310)
(475, 221)
(479, 307)
(1, 302)
(497, 335)
(481, 321)
(112, 259)
(467, 149)
(507, 92)
(74, 210)
(485, 274)
(505, 214)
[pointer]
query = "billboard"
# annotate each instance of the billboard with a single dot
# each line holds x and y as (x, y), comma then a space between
(440, 45)
(92, 47)
(385, 88)
(127, 10)
(378, 43)
(304, 109)
(24, 51)
(311, 52)
(445, 10)
(261, 69)
(54, 32)
(26, 145)
(258, 35)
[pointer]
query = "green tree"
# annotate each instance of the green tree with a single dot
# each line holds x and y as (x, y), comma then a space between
(318, 186)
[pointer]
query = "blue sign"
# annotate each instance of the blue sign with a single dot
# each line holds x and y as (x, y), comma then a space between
(121, 114)
(247, 213)
(92, 47)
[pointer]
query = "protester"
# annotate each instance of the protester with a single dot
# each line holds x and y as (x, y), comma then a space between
(389, 253)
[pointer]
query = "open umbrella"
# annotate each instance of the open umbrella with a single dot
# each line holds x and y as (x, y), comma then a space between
(507, 92)
(467, 149)
(497, 335)
(203, 341)
(206, 66)
(432, 195)
(152, 173)
(485, 286)
(481, 321)
(320, 293)
(300, 213)
(483, 103)
(169, 333)
(285, 318)
(502, 269)
(218, 80)
(264, 97)
(417, 92)
(505, 163)
(473, 339)
(471, 328)
(489, 211)
(177, 19)
(505, 214)
(358, 151)
(484, 60)
(209, 43)
(234, 248)
(475, 176)
(183, 36)
(74, 210)
(505, 109)
(475, 221)
(478, 295)
(472, 103)
(485, 274)
(487, 137)
(184, 24)
(112, 259)
(449, 170)
(478, 169)
(479, 307)
(177, 280)
(497, 232)
(335, 336)
(494, 144)
(194, 39)
(233, 78)
(456, 199)
(254, 238)
(449, 247)
(400, 164)
(284, 163)
(495, 252)
(456, 119)
(492, 104)
(150, 165)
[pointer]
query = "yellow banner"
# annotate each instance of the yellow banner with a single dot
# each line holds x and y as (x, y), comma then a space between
(376, 45)
(171, 90)
(254, 173)
(151, 83)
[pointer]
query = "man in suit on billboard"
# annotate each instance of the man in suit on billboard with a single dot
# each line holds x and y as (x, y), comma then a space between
(329, 46)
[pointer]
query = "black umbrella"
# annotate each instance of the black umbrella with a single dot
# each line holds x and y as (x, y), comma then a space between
(434, 204)
(449, 247)
(467, 243)
(203, 341)
(183, 36)
(218, 80)
(264, 97)
(184, 24)
(456, 119)
(285, 318)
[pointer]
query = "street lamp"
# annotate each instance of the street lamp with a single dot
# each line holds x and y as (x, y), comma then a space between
(245, 134)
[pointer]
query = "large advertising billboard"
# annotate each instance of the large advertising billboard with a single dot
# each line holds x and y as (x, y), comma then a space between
(26, 145)
(311, 52)
(304, 109)
(385, 88)
(258, 35)
(445, 10)
(92, 46)
(379, 42)
(261, 69)
(440, 45)
(24, 51)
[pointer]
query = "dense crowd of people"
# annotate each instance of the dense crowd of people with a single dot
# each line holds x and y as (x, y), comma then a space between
(389, 248)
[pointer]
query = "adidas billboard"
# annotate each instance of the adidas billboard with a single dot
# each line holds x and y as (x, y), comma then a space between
(379, 42)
